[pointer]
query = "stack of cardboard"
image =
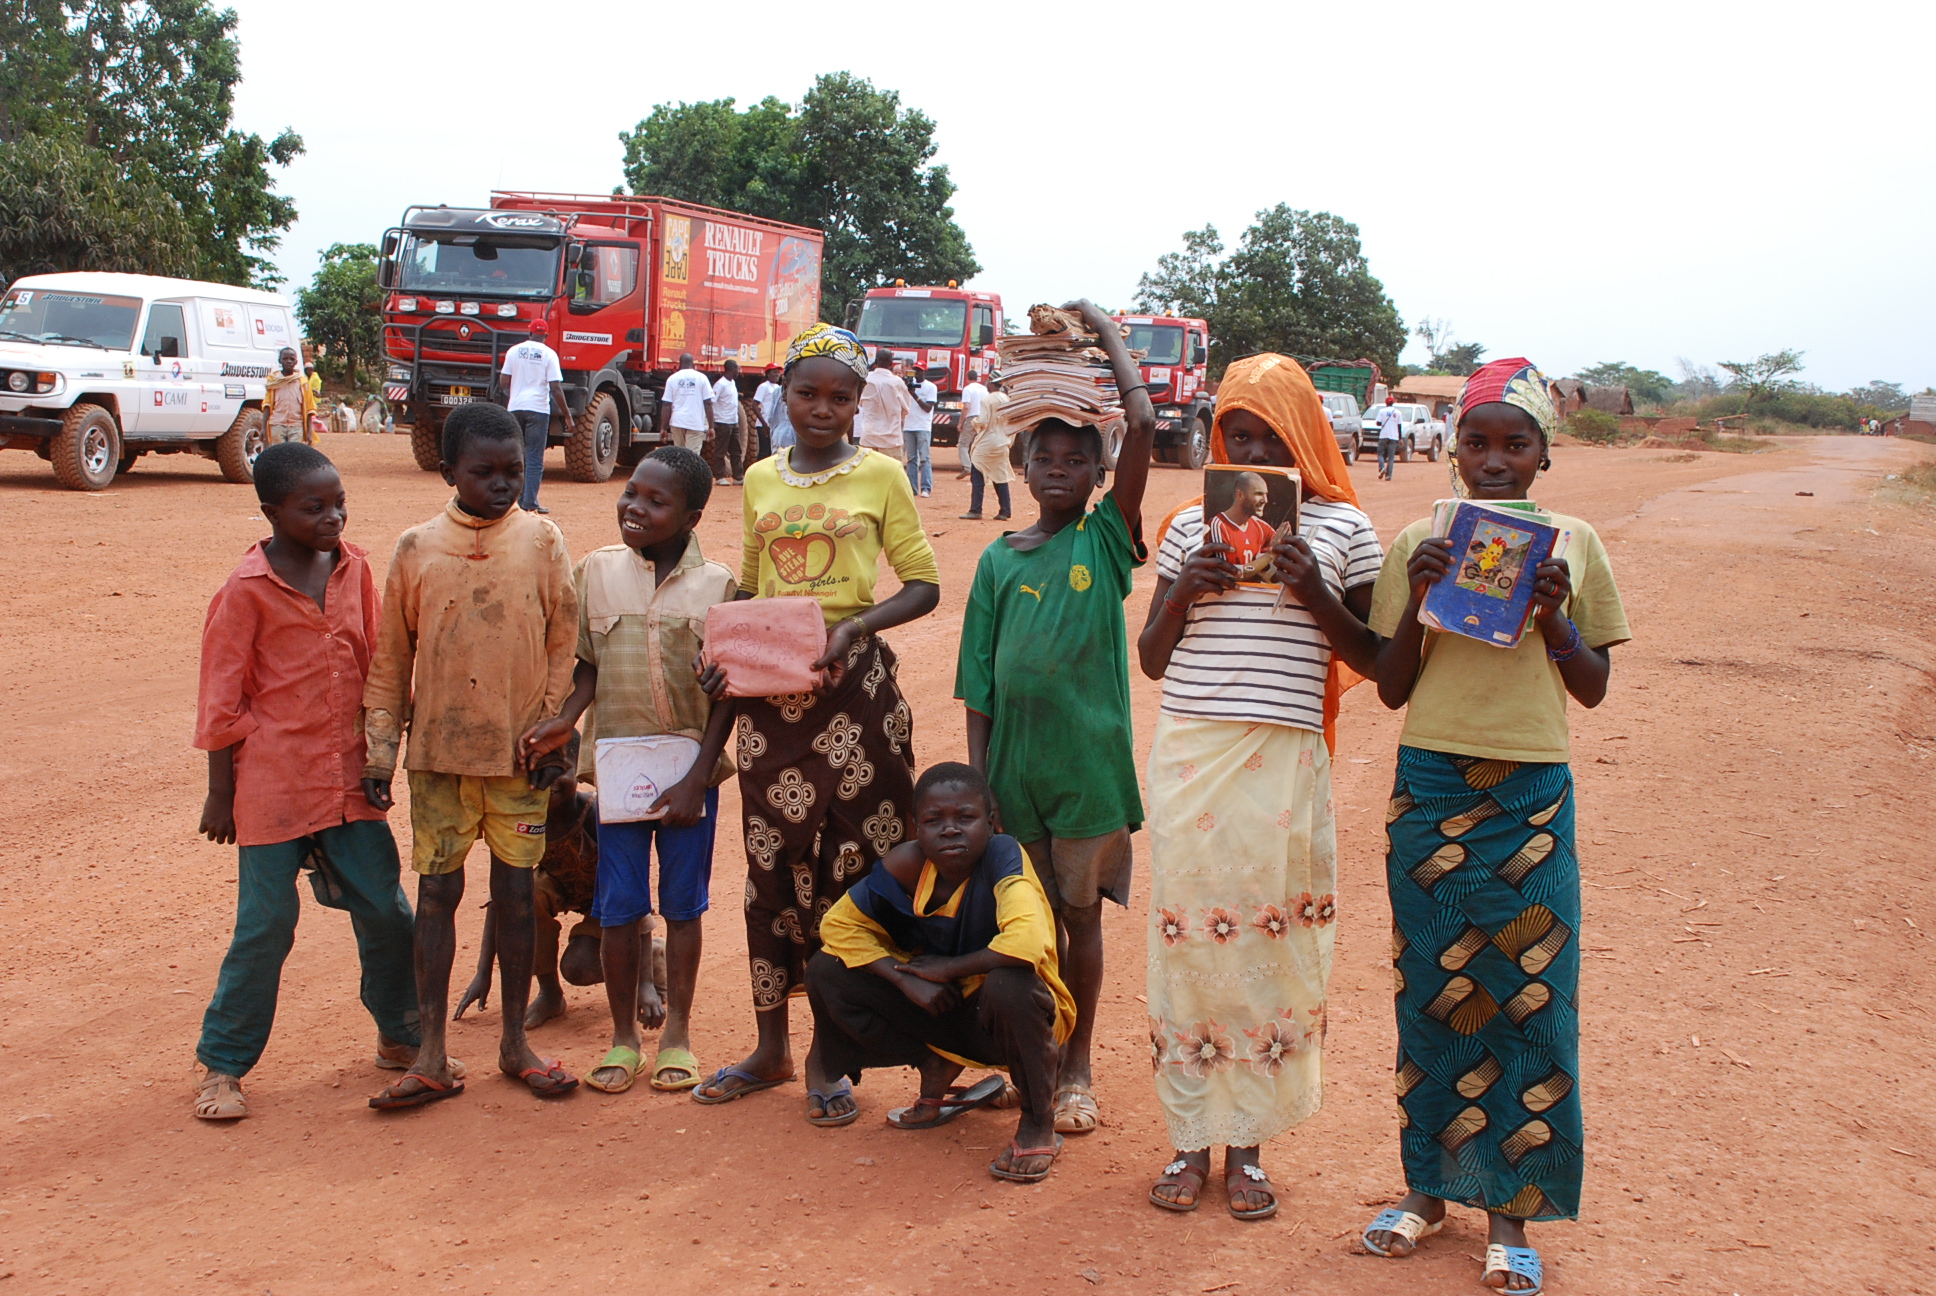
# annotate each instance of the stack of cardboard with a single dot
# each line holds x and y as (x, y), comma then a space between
(1057, 371)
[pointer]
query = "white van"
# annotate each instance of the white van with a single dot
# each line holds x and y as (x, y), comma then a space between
(97, 370)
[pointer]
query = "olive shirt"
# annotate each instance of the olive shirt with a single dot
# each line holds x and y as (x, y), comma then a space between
(1045, 656)
(642, 638)
(1472, 699)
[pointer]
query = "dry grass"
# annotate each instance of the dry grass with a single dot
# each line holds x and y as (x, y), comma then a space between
(1915, 485)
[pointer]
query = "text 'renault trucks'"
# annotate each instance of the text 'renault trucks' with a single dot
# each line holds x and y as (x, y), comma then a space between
(626, 285)
(1176, 364)
(942, 332)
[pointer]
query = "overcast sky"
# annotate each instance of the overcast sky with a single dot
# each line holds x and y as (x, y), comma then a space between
(1583, 183)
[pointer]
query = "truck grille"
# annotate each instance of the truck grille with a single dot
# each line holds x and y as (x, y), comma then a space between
(439, 337)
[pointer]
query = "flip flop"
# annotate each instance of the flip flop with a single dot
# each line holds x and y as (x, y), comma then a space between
(1404, 1223)
(1255, 1175)
(950, 1105)
(433, 1091)
(1175, 1171)
(844, 1089)
(1017, 1152)
(620, 1058)
(387, 1062)
(1523, 1261)
(749, 1083)
(549, 1080)
(675, 1059)
(1075, 1110)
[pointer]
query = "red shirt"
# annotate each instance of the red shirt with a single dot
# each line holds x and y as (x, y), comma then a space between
(284, 679)
(1246, 541)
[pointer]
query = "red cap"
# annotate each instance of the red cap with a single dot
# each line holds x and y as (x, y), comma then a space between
(539, 328)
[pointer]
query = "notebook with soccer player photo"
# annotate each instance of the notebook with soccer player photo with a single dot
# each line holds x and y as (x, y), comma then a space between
(1249, 509)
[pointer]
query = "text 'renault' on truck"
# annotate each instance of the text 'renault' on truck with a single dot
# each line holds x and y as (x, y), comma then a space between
(627, 285)
(942, 332)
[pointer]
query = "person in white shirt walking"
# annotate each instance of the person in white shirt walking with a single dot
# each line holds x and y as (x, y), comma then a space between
(770, 398)
(535, 388)
(728, 442)
(687, 406)
(918, 432)
(884, 408)
(1390, 424)
(971, 398)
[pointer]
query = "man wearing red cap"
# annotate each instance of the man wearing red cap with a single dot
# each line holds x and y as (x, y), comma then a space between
(535, 387)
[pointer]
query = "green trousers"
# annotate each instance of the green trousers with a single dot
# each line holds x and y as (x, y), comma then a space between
(356, 869)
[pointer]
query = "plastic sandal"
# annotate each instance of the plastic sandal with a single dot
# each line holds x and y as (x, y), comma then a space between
(675, 1059)
(1075, 1110)
(950, 1105)
(845, 1089)
(1407, 1225)
(432, 1091)
(1254, 1175)
(219, 1098)
(548, 1079)
(1176, 1170)
(1523, 1261)
(620, 1058)
(1016, 1152)
(749, 1083)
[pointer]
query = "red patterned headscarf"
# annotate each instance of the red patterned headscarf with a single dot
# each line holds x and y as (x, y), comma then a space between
(1516, 382)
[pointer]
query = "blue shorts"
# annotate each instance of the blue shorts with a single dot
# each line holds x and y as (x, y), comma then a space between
(624, 892)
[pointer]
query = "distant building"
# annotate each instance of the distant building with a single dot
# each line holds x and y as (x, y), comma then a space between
(1610, 400)
(1572, 395)
(1438, 394)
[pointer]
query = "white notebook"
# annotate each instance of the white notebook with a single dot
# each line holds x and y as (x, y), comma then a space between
(635, 772)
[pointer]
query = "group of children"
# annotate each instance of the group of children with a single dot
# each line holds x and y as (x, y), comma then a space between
(952, 920)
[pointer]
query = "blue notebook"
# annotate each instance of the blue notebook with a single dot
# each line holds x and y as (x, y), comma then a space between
(1496, 549)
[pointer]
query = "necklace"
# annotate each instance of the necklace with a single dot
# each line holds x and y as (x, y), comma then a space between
(784, 463)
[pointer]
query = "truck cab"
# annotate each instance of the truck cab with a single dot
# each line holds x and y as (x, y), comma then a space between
(942, 333)
(1175, 364)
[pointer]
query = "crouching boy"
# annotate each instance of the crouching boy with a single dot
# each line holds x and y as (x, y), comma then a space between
(943, 957)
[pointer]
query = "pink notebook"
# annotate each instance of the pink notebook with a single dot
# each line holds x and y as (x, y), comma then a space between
(767, 646)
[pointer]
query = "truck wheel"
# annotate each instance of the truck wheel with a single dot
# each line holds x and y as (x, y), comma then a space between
(1405, 450)
(1194, 452)
(87, 449)
(1432, 455)
(592, 447)
(427, 441)
(237, 448)
(1351, 453)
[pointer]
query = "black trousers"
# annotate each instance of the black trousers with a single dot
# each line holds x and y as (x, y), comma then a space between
(861, 1020)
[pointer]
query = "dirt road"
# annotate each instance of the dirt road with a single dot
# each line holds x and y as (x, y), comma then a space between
(1756, 1004)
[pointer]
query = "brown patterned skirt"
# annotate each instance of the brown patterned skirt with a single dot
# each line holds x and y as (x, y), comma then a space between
(826, 788)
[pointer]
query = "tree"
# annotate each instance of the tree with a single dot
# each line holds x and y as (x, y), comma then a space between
(1885, 396)
(1448, 356)
(1645, 384)
(1763, 376)
(339, 309)
(1297, 283)
(849, 162)
(151, 85)
(68, 207)
(1698, 382)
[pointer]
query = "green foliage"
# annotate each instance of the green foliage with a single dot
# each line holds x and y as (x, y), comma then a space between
(849, 162)
(339, 309)
(1765, 375)
(68, 207)
(1447, 356)
(150, 85)
(1593, 425)
(1646, 385)
(1296, 283)
(1883, 395)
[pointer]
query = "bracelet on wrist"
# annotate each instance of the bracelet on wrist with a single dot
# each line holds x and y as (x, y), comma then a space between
(1123, 395)
(1170, 606)
(1568, 650)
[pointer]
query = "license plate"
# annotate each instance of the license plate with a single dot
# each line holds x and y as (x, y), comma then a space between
(456, 396)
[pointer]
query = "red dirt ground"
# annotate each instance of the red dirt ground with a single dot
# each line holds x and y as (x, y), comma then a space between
(1756, 1005)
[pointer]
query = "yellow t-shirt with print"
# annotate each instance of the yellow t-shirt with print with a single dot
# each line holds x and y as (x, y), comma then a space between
(822, 536)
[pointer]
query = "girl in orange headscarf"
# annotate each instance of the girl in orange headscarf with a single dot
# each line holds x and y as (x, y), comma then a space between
(1243, 845)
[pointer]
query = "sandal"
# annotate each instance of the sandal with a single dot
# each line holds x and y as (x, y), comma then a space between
(1523, 1261)
(675, 1059)
(824, 1120)
(429, 1090)
(1257, 1179)
(620, 1058)
(1180, 1174)
(1016, 1152)
(219, 1098)
(1405, 1224)
(1075, 1110)
(748, 1083)
(548, 1079)
(949, 1105)
(401, 1057)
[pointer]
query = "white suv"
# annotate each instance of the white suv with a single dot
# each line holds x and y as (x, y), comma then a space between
(1419, 433)
(99, 369)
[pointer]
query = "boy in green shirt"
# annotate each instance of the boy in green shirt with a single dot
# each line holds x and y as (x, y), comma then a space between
(1044, 673)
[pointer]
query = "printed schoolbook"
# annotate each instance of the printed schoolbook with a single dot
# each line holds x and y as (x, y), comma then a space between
(1497, 546)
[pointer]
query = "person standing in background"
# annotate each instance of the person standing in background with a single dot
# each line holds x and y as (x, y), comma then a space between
(1389, 423)
(770, 396)
(534, 387)
(687, 406)
(289, 402)
(918, 432)
(971, 399)
(726, 453)
(884, 408)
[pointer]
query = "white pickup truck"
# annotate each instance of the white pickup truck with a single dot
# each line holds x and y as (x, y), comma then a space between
(99, 369)
(1419, 432)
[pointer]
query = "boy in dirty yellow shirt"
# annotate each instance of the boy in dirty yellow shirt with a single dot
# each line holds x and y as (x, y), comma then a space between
(486, 589)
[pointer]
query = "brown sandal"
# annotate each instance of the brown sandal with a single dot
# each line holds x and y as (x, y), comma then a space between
(1249, 1178)
(1181, 1174)
(219, 1098)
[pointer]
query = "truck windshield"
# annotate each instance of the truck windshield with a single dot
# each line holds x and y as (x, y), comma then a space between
(913, 320)
(465, 263)
(69, 318)
(1164, 342)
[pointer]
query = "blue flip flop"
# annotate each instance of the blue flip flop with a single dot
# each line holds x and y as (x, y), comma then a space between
(749, 1083)
(844, 1089)
(1523, 1261)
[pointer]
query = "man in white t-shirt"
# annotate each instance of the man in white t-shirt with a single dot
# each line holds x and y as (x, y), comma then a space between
(776, 430)
(971, 399)
(686, 406)
(918, 433)
(728, 452)
(535, 389)
(1390, 427)
(884, 408)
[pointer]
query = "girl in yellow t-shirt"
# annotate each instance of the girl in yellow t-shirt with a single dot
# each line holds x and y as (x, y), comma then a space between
(826, 778)
(1484, 883)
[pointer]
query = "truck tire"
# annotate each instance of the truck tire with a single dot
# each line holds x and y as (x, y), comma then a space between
(427, 441)
(87, 450)
(1350, 452)
(1194, 451)
(1432, 455)
(1405, 450)
(237, 448)
(592, 447)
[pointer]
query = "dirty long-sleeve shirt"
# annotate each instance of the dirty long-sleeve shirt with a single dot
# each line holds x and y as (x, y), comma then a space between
(481, 617)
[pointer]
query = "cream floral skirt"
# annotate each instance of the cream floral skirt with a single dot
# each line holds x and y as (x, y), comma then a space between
(1243, 894)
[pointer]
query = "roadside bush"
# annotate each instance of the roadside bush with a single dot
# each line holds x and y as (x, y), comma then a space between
(1597, 426)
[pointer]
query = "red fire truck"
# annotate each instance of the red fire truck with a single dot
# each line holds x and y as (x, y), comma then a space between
(626, 284)
(1175, 366)
(943, 332)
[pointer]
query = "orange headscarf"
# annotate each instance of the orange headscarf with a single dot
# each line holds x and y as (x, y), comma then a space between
(1277, 390)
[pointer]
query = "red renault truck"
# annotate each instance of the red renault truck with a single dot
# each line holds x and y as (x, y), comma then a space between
(942, 332)
(1175, 365)
(626, 285)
